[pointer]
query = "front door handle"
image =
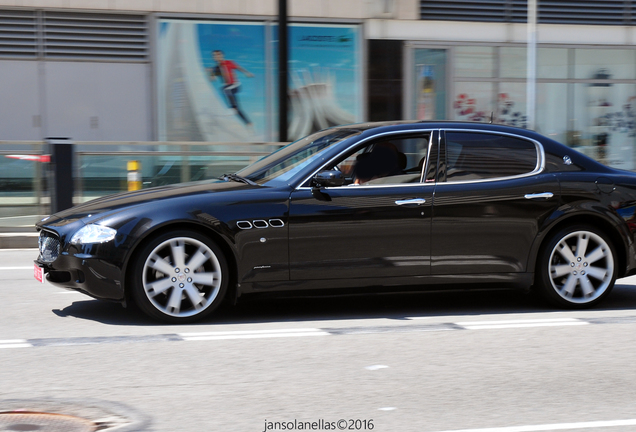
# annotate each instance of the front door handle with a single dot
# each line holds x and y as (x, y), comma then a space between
(543, 195)
(414, 201)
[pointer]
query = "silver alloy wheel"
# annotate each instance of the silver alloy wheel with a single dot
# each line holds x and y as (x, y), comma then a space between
(182, 277)
(581, 267)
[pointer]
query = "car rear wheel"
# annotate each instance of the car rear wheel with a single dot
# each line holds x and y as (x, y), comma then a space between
(179, 277)
(577, 268)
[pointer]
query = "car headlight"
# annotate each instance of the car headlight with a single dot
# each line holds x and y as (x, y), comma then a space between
(93, 234)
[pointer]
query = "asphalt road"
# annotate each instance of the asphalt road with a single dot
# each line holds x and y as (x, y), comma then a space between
(426, 362)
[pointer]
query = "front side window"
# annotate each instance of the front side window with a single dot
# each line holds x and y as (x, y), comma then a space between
(477, 156)
(386, 161)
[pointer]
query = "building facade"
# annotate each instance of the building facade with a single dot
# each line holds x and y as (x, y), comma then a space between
(142, 70)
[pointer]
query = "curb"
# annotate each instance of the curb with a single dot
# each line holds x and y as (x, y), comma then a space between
(21, 240)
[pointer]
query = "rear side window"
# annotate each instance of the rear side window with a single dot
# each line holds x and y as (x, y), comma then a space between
(478, 156)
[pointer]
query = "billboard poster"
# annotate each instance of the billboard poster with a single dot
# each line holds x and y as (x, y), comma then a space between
(216, 79)
(325, 77)
(211, 81)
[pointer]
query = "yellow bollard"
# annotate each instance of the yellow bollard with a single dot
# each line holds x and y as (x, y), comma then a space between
(134, 175)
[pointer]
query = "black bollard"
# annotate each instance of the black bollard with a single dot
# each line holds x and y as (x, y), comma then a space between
(61, 173)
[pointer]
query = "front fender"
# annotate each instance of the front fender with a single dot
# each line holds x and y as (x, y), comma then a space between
(259, 253)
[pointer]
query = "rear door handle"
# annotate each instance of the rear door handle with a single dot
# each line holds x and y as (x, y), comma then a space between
(414, 201)
(543, 195)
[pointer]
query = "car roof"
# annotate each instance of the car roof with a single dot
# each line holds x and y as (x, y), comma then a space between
(436, 124)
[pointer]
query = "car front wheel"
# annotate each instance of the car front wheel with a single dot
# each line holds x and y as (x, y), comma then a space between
(179, 277)
(577, 268)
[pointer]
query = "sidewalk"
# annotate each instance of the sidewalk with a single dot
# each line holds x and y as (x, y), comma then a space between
(18, 238)
(18, 232)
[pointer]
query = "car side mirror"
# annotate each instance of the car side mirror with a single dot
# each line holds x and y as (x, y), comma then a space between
(328, 179)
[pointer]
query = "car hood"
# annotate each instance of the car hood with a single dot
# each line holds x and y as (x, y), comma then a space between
(108, 205)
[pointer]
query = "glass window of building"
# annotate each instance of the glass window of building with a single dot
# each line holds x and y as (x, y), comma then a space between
(511, 104)
(585, 97)
(513, 62)
(604, 119)
(474, 62)
(551, 118)
(603, 64)
(473, 101)
(430, 84)
(551, 62)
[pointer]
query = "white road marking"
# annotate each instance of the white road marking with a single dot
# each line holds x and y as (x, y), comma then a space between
(253, 334)
(553, 427)
(387, 409)
(376, 367)
(550, 322)
(538, 320)
(299, 332)
(17, 268)
(529, 325)
(14, 343)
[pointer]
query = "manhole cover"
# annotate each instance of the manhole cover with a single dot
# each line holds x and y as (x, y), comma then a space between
(69, 415)
(44, 422)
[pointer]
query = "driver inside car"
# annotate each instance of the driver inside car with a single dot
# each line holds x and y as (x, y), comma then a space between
(382, 161)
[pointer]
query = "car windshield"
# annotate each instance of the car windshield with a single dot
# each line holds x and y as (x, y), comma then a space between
(284, 163)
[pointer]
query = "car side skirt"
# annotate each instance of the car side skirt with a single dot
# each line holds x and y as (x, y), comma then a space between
(497, 280)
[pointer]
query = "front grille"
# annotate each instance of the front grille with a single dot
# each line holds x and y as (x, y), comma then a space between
(49, 247)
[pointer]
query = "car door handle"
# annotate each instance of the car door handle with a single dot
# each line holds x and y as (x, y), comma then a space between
(543, 195)
(414, 201)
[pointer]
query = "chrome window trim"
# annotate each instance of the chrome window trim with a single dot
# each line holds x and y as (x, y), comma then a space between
(356, 187)
(428, 155)
(539, 167)
(360, 143)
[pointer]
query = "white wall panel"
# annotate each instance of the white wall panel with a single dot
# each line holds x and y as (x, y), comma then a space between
(98, 101)
(457, 31)
(19, 100)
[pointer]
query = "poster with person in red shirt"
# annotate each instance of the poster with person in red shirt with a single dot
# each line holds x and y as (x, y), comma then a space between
(225, 70)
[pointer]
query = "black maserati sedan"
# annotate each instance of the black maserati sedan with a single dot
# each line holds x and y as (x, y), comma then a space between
(375, 206)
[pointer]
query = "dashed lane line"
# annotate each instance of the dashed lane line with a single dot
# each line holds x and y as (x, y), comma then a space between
(302, 332)
(549, 322)
(253, 334)
(394, 329)
(14, 343)
(553, 427)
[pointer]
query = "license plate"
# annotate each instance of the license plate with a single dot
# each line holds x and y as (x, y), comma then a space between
(38, 272)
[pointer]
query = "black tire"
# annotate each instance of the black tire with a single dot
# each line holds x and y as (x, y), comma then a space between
(575, 279)
(179, 277)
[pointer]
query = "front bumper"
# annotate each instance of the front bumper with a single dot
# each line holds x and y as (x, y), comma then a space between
(75, 269)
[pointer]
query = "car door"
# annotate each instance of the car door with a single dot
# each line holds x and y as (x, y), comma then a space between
(380, 228)
(490, 200)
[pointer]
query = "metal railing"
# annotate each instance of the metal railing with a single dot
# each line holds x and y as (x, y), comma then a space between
(100, 168)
